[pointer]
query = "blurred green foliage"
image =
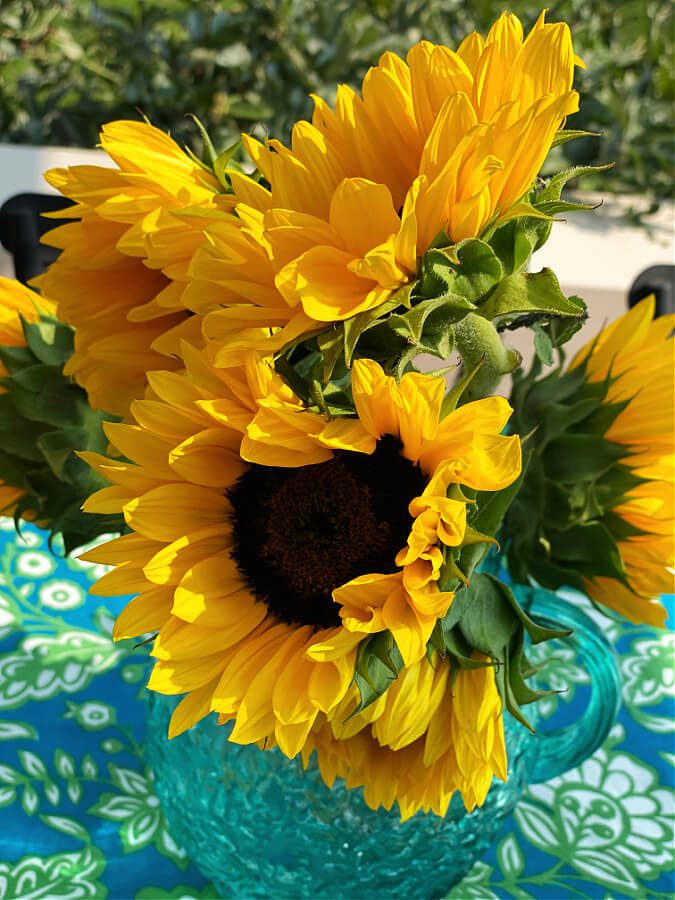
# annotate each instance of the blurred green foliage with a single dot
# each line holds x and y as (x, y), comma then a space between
(68, 66)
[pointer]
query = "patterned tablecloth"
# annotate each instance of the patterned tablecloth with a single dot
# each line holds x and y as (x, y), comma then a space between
(80, 818)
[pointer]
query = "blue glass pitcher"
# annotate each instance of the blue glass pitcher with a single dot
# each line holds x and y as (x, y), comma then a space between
(258, 825)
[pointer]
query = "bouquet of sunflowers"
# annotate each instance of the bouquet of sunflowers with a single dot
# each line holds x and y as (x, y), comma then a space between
(222, 368)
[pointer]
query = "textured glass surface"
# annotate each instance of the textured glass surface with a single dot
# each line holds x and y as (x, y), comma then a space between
(260, 826)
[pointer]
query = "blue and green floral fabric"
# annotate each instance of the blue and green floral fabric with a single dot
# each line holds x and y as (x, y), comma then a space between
(80, 818)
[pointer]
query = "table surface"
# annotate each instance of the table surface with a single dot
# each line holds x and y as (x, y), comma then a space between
(80, 818)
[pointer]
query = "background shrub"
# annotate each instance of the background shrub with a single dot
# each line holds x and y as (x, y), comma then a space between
(68, 66)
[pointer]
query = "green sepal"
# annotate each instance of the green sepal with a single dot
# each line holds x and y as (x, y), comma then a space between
(527, 293)
(514, 243)
(561, 529)
(378, 663)
(553, 189)
(570, 134)
(603, 417)
(50, 341)
(454, 395)
(459, 650)
(581, 457)
(222, 165)
(355, 327)
(445, 310)
(21, 440)
(560, 330)
(58, 448)
(590, 549)
(331, 346)
(490, 620)
(477, 271)
(543, 345)
(510, 680)
(492, 616)
(436, 268)
(210, 154)
(14, 359)
(548, 199)
(491, 506)
(614, 485)
(318, 399)
(44, 419)
(620, 529)
(436, 642)
(40, 394)
(515, 240)
(298, 384)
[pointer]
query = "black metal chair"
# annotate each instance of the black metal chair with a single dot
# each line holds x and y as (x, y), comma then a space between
(657, 280)
(21, 227)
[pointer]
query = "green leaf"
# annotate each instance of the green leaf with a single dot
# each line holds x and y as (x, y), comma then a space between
(29, 799)
(528, 293)
(64, 762)
(11, 731)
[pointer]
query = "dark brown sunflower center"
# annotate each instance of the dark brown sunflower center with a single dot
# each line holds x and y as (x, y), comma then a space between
(300, 533)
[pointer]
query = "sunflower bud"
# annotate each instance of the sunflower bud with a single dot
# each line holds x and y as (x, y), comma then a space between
(44, 417)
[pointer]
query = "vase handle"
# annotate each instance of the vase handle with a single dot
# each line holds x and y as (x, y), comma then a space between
(565, 748)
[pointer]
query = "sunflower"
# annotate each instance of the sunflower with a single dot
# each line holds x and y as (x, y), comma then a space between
(447, 142)
(120, 276)
(596, 508)
(268, 542)
(637, 354)
(432, 733)
(16, 303)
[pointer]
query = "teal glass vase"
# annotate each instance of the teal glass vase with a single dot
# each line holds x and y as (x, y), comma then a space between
(259, 825)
